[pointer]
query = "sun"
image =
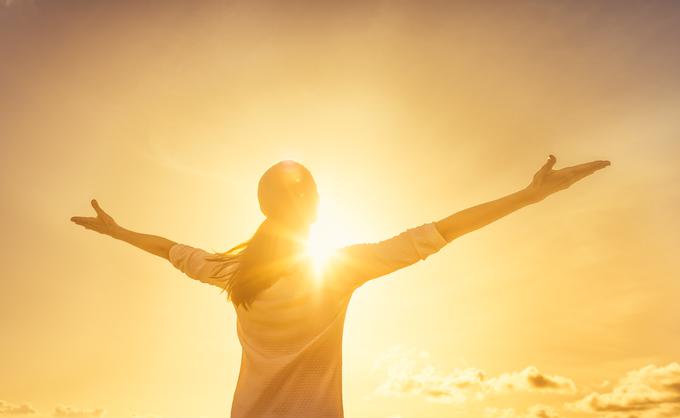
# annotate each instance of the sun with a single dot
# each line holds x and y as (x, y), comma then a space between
(320, 247)
(325, 237)
(329, 233)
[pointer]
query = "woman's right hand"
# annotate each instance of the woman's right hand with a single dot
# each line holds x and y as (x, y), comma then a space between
(102, 223)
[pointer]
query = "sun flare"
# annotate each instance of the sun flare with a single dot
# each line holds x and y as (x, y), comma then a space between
(320, 246)
(326, 235)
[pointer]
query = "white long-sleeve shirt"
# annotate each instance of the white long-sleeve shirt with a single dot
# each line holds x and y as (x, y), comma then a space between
(291, 335)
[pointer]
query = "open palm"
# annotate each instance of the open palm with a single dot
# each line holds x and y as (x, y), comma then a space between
(547, 181)
(102, 223)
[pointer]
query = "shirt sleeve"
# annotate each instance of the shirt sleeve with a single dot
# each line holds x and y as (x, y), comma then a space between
(192, 262)
(351, 266)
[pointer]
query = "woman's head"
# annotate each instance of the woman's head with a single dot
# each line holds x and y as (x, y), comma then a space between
(288, 198)
(287, 194)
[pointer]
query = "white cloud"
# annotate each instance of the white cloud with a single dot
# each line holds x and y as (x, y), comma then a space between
(69, 412)
(535, 411)
(7, 408)
(530, 379)
(408, 373)
(649, 392)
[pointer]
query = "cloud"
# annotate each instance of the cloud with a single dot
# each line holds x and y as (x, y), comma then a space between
(69, 412)
(535, 411)
(409, 374)
(649, 392)
(7, 408)
(530, 379)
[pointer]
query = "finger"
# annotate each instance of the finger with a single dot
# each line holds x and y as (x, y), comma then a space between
(603, 164)
(91, 225)
(596, 165)
(81, 219)
(86, 224)
(96, 207)
(579, 172)
(548, 164)
(582, 170)
(592, 165)
(86, 221)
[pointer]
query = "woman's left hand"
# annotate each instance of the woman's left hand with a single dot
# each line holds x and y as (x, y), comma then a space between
(547, 181)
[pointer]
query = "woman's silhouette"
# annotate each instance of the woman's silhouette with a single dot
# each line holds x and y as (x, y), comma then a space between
(290, 323)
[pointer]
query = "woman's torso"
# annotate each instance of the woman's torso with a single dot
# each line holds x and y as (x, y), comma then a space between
(291, 338)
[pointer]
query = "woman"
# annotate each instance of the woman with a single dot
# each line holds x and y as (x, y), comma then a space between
(290, 323)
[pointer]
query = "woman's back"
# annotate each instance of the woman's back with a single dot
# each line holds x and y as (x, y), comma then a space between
(291, 334)
(291, 363)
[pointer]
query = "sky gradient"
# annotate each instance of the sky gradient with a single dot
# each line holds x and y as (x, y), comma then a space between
(404, 112)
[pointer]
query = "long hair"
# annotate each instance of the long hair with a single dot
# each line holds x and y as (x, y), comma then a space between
(287, 195)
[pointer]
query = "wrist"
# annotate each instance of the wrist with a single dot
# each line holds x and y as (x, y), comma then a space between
(118, 232)
(531, 195)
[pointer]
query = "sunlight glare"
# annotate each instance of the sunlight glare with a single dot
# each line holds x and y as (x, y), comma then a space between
(319, 247)
(326, 235)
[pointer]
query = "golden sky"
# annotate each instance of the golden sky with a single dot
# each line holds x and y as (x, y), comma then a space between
(405, 112)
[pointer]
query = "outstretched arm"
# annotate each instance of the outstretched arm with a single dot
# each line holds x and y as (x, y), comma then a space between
(104, 224)
(353, 265)
(545, 182)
